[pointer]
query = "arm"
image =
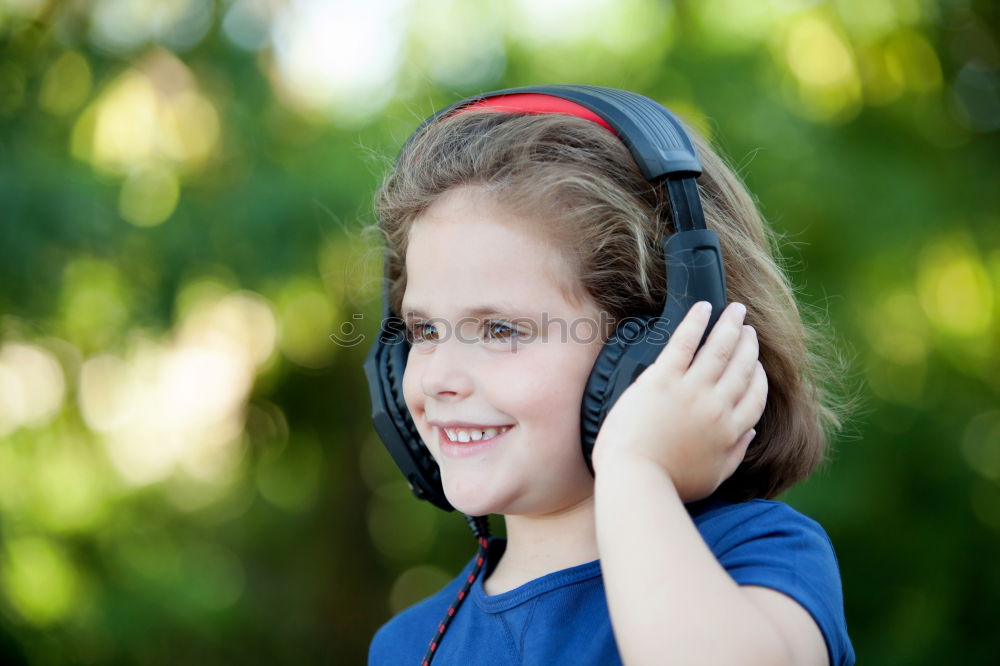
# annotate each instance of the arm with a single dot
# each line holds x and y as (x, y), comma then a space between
(669, 440)
(670, 600)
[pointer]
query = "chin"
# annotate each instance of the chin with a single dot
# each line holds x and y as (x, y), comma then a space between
(473, 499)
(473, 507)
(472, 510)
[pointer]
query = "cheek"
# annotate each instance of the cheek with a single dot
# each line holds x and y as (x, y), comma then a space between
(550, 387)
(532, 386)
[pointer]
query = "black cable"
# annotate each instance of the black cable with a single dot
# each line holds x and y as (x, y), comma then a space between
(480, 526)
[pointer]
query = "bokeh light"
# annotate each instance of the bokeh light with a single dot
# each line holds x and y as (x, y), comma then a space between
(150, 113)
(66, 84)
(338, 58)
(307, 317)
(122, 26)
(955, 289)
(822, 62)
(247, 22)
(981, 444)
(898, 329)
(180, 406)
(187, 293)
(152, 126)
(31, 386)
(461, 42)
(39, 579)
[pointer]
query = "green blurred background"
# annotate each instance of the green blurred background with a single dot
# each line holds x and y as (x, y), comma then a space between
(188, 472)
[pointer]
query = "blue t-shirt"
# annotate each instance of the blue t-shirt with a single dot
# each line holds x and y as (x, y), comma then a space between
(562, 617)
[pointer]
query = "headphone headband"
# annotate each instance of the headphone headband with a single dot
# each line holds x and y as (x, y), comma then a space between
(535, 104)
(656, 138)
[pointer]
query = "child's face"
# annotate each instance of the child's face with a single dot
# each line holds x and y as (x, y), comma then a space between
(466, 251)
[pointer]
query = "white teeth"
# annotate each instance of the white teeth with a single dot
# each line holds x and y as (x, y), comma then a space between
(459, 435)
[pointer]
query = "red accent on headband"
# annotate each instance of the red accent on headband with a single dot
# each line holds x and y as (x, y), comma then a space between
(536, 103)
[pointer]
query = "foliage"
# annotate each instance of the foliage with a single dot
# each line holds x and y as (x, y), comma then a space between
(188, 470)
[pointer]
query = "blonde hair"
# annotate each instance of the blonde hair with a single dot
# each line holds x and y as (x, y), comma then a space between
(580, 189)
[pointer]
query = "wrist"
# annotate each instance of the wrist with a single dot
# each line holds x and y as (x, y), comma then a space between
(626, 480)
(627, 463)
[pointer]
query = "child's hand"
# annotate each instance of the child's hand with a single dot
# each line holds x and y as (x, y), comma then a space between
(692, 419)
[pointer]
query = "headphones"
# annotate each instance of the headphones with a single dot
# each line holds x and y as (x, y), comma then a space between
(693, 261)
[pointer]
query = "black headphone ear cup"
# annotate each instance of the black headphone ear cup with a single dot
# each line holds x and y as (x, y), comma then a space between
(394, 361)
(395, 365)
(391, 359)
(597, 397)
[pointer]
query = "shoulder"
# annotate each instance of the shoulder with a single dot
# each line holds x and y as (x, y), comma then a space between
(406, 636)
(763, 542)
(769, 544)
(726, 525)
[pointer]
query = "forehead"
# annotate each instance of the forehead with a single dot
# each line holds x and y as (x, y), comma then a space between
(466, 250)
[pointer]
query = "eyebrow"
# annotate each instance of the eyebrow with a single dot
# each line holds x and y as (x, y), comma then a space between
(485, 310)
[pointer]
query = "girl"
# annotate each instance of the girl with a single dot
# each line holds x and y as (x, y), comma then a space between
(515, 243)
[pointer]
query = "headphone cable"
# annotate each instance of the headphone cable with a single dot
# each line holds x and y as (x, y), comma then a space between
(480, 526)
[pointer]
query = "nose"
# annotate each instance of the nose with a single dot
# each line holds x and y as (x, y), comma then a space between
(446, 370)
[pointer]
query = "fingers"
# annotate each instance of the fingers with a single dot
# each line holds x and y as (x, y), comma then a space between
(741, 446)
(751, 406)
(736, 453)
(677, 355)
(713, 359)
(738, 374)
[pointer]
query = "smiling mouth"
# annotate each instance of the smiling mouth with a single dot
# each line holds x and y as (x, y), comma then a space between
(459, 450)
(471, 435)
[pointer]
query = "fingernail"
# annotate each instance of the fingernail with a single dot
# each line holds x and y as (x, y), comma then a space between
(705, 306)
(739, 310)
